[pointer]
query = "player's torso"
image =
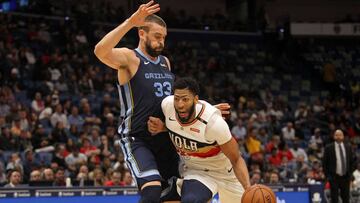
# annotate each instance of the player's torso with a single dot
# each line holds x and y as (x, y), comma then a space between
(142, 95)
(191, 142)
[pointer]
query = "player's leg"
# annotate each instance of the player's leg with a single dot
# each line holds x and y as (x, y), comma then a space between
(193, 191)
(229, 188)
(142, 164)
(167, 160)
(227, 196)
(197, 186)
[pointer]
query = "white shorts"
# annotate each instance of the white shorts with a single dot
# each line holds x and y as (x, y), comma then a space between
(223, 182)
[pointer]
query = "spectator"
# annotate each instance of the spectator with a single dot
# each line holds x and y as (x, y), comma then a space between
(239, 131)
(24, 122)
(95, 136)
(38, 104)
(35, 175)
(316, 173)
(16, 127)
(15, 163)
(274, 143)
(316, 138)
(84, 171)
(288, 132)
(59, 135)
(115, 179)
(59, 116)
(2, 174)
(253, 145)
(356, 175)
(98, 177)
(127, 179)
(89, 117)
(301, 168)
(285, 152)
(75, 158)
(120, 164)
(60, 177)
(105, 148)
(263, 136)
(255, 178)
(274, 178)
(60, 154)
(75, 119)
(14, 179)
(297, 151)
(90, 150)
(274, 159)
(29, 164)
(48, 175)
(8, 142)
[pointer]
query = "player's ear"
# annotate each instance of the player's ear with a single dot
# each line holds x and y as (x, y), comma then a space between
(141, 33)
(196, 99)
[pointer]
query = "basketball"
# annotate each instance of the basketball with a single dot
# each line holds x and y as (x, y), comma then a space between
(258, 194)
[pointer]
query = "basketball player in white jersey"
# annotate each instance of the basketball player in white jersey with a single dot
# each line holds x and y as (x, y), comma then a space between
(212, 161)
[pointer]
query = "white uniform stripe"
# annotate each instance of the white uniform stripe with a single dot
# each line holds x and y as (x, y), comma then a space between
(130, 159)
(122, 106)
(125, 109)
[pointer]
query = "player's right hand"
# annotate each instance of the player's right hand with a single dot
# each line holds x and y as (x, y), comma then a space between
(138, 18)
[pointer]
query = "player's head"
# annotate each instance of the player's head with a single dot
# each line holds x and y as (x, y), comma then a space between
(186, 95)
(153, 34)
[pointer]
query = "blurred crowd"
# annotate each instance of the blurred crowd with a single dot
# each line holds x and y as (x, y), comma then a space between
(109, 12)
(59, 109)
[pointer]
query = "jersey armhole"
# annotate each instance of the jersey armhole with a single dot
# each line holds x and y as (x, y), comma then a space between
(167, 62)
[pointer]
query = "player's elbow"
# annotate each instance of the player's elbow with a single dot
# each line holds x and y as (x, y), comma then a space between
(99, 51)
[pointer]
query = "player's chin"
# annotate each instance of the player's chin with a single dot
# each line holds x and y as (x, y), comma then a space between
(183, 115)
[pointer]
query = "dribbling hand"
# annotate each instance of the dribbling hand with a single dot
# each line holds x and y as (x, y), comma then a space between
(138, 18)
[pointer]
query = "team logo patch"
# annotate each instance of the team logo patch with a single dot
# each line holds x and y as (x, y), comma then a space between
(195, 130)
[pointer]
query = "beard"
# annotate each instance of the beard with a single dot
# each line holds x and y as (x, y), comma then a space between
(185, 120)
(153, 52)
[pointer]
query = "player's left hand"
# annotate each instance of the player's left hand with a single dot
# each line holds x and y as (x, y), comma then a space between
(224, 108)
(155, 125)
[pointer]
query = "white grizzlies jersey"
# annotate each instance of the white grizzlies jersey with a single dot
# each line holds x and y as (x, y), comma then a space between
(198, 142)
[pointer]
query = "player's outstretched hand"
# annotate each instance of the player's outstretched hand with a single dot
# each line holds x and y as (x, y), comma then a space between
(138, 18)
(155, 125)
(224, 108)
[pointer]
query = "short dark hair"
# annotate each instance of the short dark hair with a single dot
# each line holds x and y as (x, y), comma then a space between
(153, 19)
(187, 83)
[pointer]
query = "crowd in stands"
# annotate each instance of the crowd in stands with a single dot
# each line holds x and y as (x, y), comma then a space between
(109, 12)
(59, 109)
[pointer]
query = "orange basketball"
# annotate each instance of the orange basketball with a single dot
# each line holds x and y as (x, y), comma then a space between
(258, 194)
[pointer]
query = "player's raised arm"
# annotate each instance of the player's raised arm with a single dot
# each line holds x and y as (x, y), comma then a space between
(119, 57)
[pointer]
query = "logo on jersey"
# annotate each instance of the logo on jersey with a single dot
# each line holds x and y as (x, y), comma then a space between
(230, 170)
(195, 130)
(163, 65)
(171, 119)
(146, 62)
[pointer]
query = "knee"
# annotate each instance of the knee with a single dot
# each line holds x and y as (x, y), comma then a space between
(150, 194)
(193, 198)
